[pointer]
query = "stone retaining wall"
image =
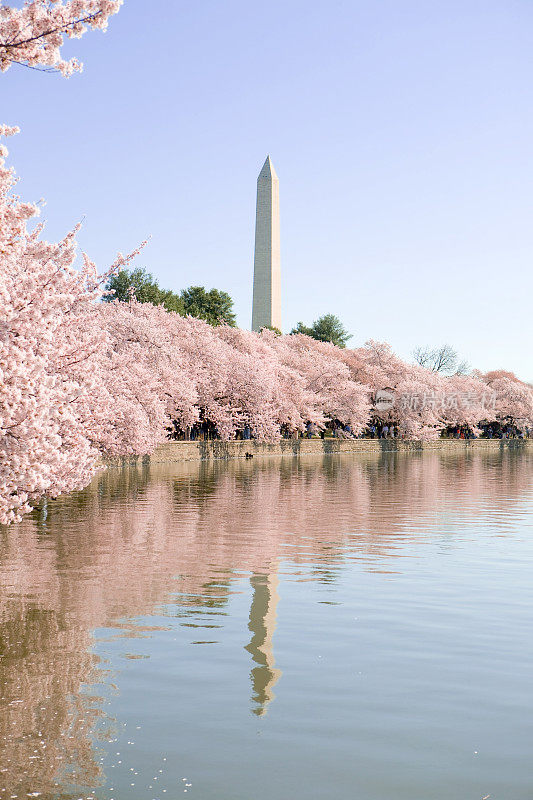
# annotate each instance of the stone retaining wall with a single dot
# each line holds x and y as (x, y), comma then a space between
(171, 452)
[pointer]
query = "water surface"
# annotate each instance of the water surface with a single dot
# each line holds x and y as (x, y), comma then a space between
(337, 627)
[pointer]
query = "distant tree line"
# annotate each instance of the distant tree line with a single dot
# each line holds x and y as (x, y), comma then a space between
(213, 306)
(216, 307)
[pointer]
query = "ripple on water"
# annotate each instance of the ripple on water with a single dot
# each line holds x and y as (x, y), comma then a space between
(373, 632)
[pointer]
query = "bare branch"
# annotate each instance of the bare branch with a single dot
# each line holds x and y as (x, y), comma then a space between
(442, 359)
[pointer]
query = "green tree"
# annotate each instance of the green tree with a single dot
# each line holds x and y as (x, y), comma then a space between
(146, 289)
(213, 306)
(304, 329)
(328, 328)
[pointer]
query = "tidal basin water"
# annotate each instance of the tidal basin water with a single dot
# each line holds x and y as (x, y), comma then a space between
(338, 627)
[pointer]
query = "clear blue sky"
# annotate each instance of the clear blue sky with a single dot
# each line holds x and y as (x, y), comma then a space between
(401, 131)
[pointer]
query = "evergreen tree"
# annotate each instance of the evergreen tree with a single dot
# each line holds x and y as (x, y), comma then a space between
(327, 328)
(146, 290)
(213, 306)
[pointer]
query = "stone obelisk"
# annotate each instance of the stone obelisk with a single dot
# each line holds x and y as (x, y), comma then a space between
(266, 309)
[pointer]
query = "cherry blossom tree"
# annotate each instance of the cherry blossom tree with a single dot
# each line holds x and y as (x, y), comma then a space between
(34, 34)
(234, 388)
(141, 380)
(332, 392)
(425, 401)
(48, 339)
(284, 394)
(47, 324)
(377, 367)
(513, 399)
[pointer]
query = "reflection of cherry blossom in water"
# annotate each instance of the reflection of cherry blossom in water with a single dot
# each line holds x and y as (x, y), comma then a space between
(184, 534)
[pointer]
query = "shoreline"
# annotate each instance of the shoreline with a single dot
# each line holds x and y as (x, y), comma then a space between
(216, 450)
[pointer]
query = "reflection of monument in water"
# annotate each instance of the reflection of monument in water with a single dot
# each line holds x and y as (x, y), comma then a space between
(262, 624)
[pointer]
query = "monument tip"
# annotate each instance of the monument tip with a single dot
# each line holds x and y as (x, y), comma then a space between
(268, 170)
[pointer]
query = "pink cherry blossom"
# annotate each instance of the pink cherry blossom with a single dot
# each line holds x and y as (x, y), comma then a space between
(80, 379)
(33, 35)
(49, 338)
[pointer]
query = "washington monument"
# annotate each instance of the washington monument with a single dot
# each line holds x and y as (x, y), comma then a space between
(266, 309)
